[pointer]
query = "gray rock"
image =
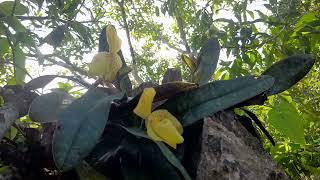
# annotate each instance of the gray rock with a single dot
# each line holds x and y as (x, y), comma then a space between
(229, 151)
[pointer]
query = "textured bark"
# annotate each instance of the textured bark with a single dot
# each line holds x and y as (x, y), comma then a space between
(229, 151)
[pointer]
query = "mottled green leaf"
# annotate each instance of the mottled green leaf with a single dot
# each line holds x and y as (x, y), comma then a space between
(47, 107)
(286, 119)
(289, 71)
(80, 126)
(226, 100)
(204, 93)
(207, 61)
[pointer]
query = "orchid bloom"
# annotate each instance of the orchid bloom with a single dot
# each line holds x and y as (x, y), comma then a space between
(107, 64)
(161, 124)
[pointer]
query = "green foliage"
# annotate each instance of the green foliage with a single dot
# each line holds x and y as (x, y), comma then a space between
(285, 118)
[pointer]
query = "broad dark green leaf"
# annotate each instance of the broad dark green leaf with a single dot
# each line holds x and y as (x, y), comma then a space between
(226, 99)
(47, 107)
(80, 126)
(286, 119)
(7, 6)
(207, 61)
(289, 71)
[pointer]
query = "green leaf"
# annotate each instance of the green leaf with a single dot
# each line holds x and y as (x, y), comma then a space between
(15, 24)
(305, 19)
(289, 71)
(216, 96)
(11, 134)
(83, 32)
(47, 107)
(204, 93)
(20, 62)
(207, 61)
(86, 172)
(7, 6)
(56, 36)
(80, 126)
(189, 62)
(173, 160)
(4, 47)
(286, 119)
(164, 149)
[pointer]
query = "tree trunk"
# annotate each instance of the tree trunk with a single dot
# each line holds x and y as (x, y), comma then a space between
(229, 151)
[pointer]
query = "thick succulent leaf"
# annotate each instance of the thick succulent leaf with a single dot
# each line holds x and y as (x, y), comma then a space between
(226, 96)
(39, 82)
(204, 93)
(286, 119)
(80, 126)
(289, 71)
(47, 107)
(207, 61)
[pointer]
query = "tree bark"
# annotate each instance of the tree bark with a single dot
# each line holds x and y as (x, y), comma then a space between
(229, 151)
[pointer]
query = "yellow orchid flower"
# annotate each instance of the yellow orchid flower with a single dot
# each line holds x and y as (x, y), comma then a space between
(161, 124)
(107, 64)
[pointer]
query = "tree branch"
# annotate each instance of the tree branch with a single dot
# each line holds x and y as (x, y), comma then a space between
(183, 35)
(125, 23)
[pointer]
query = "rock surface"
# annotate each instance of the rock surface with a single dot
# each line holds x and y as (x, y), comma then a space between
(230, 152)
